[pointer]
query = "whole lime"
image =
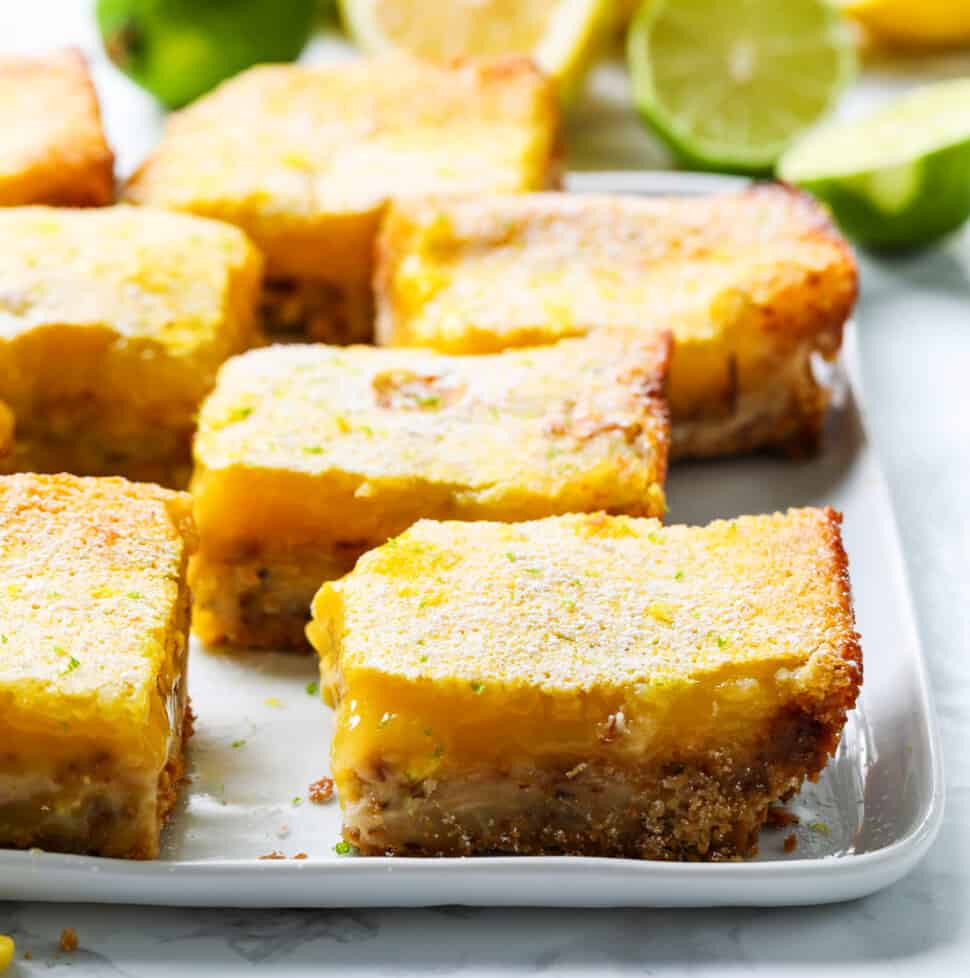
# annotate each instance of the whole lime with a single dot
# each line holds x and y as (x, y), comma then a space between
(179, 49)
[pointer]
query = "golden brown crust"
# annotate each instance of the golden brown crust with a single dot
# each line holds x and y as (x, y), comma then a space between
(52, 147)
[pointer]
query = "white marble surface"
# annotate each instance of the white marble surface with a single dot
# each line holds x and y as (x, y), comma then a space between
(915, 333)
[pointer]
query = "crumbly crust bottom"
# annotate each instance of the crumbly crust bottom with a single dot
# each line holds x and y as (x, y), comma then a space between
(262, 599)
(785, 415)
(317, 310)
(710, 807)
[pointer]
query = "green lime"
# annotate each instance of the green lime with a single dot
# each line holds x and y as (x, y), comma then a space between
(899, 178)
(728, 85)
(179, 49)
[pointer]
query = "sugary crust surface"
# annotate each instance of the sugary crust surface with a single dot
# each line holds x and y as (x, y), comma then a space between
(745, 282)
(92, 572)
(52, 145)
(304, 158)
(354, 444)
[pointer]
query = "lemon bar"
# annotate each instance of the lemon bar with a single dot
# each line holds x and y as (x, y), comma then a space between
(585, 684)
(752, 285)
(304, 159)
(52, 146)
(93, 642)
(113, 323)
(308, 455)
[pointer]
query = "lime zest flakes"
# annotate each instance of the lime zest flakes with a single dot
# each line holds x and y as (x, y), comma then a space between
(423, 658)
(345, 849)
(653, 537)
(533, 570)
(477, 688)
(722, 640)
(72, 664)
(313, 449)
(312, 688)
(3, 639)
(134, 595)
(297, 800)
(238, 743)
(820, 827)
(429, 401)
(239, 414)
(679, 576)
(60, 650)
(511, 556)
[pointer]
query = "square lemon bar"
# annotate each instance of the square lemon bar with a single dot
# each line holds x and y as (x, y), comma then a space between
(752, 285)
(307, 456)
(52, 146)
(305, 158)
(93, 642)
(585, 684)
(113, 323)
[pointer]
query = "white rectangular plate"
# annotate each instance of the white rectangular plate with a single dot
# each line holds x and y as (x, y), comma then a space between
(261, 739)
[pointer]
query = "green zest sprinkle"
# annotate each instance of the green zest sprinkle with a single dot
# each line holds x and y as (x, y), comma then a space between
(59, 650)
(652, 537)
(344, 849)
(430, 400)
(239, 743)
(72, 664)
(313, 449)
(423, 658)
(533, 570)
(312, 688)
(3, 639)
(477, 688)
(722, 641)
(297, 800)
(820, 827)
(679, 576)
(240, 413)
(511, 556)
(134, 595)
(54, 595)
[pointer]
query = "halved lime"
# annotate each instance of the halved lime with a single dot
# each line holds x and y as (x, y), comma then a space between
(728, 84)
(561, 35)
(899, 178)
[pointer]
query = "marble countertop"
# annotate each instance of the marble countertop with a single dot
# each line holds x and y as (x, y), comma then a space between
(915, 340)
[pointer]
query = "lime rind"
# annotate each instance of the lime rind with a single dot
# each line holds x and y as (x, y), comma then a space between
(936, 202)
(758, 123)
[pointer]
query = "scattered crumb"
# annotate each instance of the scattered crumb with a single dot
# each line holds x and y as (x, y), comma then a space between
(791, 840)
(28, 956)
(820, 827)
(7, 951)
(273, 701)
(282, 832)
(780, 817)
(300, 855)
(68, 941)
(321, 791)
(275, 854)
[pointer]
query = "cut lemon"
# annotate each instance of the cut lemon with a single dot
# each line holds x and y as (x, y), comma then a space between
(899, 178)
(929, 23)
(561, 35)
(728, 84)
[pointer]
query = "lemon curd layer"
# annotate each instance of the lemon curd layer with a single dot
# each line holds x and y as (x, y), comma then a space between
(93, 644)
(750, 284)
(145, 305)
(473, 653)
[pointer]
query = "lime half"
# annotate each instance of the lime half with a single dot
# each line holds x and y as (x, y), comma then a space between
(728, 84)
(899, 178)
(561, 35)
